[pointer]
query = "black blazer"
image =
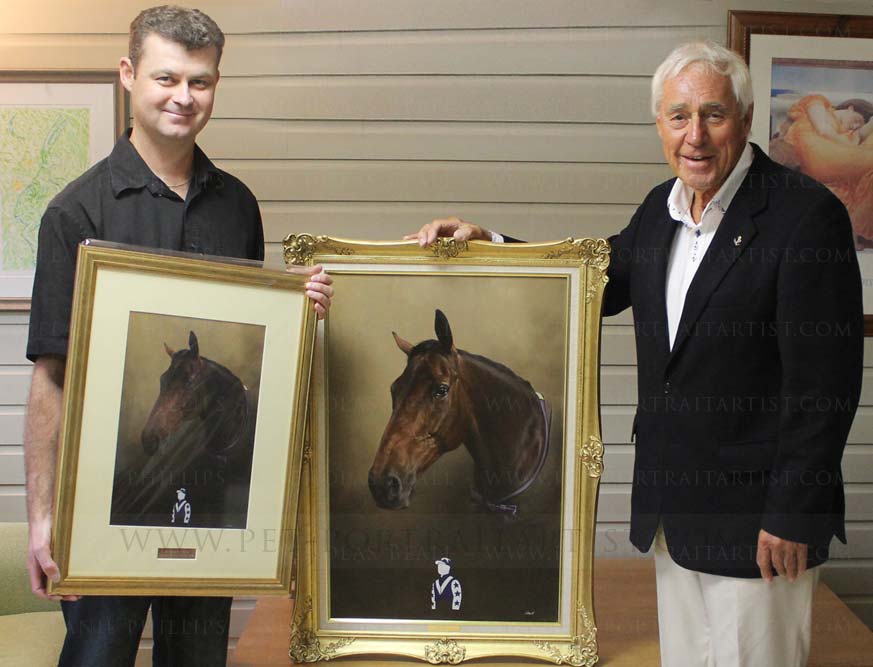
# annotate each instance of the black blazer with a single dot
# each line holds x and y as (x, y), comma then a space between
(742, 425)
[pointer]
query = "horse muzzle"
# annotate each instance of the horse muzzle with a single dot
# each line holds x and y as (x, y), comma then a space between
(389, 491)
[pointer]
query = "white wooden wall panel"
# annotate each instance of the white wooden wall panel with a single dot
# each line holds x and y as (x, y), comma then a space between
(414, 181)
(13, 342)
(430, 140)
(14, 384)
(438, 52)
(11, 426)
(258, 16)
(512, 52)
(11, 467)
(369, 119)
(12, 503)
(555, 99)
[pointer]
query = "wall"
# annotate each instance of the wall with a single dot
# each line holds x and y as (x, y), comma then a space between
(368, 119)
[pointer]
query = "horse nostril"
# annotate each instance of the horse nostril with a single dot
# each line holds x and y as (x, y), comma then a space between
(376, 489)
(392, 487)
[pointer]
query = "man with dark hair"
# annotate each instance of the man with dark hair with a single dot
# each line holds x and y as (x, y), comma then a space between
(156, 189)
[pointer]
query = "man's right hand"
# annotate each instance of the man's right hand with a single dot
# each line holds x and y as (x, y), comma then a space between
(455, 227)
(40, 564)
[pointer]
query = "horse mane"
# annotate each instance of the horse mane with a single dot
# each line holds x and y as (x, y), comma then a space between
(435, 346)
(497, 366)
(230, 388)
(227, 376)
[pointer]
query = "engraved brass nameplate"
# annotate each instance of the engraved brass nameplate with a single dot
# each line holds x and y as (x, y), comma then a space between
(177, 553)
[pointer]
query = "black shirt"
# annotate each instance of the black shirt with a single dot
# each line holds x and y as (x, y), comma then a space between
(119, 199)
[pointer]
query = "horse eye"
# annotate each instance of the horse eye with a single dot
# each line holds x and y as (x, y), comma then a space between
(441, 391)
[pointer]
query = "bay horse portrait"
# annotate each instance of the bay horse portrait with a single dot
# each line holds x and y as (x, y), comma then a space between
(194, 387)
(447, 397)
(199, 435)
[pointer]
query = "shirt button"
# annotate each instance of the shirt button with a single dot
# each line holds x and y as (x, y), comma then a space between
(667, 387)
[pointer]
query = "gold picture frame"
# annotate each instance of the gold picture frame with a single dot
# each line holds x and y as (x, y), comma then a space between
(180, 475)
(424, 562)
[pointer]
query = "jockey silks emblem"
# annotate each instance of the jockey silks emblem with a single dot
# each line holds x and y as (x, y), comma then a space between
(182, 508)
(445, 586)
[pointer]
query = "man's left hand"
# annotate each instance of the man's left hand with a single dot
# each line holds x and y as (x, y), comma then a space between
(786, 557)
(318, 287)
(460, 230)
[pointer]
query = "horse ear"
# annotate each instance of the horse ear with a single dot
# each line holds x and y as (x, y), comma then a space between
(192, 344)
(404, 345)
(443, 330)
(170, 351)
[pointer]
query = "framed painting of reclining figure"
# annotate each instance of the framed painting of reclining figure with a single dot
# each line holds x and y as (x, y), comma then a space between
(812, 77)
(449, 486)
(184, 415)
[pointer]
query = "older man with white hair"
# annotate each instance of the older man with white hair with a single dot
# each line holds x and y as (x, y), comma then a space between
(746, 299)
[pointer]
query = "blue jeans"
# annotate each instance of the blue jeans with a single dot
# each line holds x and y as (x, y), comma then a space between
(104, 631)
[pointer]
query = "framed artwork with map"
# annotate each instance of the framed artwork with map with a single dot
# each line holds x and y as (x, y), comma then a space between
(53, 126)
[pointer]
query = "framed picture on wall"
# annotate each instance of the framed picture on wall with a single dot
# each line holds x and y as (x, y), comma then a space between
(448, 496)
(812, 76)
(184, 416)
(53, 126)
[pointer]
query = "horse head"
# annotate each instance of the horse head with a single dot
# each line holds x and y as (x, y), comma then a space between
(428, 416)
(178, 399)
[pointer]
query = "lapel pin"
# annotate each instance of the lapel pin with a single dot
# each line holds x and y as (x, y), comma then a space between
(738, 241)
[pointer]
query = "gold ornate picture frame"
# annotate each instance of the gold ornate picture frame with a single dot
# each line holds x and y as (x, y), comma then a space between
(184, 416)
(449, 487)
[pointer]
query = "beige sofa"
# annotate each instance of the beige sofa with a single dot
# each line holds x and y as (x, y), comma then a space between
(31, 630)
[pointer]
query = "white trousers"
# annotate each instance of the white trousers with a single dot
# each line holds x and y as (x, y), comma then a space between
(707, 620)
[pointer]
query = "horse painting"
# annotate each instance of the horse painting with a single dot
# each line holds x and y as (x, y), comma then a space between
(446, 398)
(194, 387)
(199, 438)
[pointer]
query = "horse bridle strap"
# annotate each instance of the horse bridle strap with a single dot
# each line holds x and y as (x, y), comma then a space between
(479, 499)
(498, 505)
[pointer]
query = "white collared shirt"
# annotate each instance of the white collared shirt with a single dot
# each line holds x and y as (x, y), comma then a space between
(692, 239)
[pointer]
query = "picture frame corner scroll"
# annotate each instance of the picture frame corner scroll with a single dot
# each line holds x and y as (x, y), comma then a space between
(582, 650)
